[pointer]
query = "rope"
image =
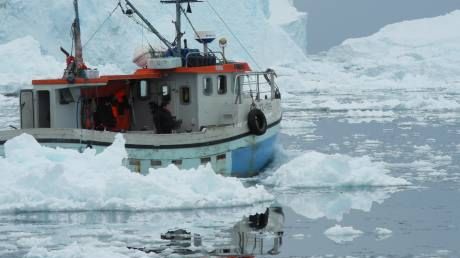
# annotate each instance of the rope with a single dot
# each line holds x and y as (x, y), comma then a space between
(233, 34)
(102, 25)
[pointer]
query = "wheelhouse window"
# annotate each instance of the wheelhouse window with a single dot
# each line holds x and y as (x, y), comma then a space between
(185, 95)
(205, 160)
(207, 86)
(165, 90)
(44, 109)
(144, 89)
(166, 93)
(222, 84)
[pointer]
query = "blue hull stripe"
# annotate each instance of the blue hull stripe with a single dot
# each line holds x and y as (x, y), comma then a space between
(249, 161)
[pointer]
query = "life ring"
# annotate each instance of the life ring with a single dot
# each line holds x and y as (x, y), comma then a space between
(257, 122)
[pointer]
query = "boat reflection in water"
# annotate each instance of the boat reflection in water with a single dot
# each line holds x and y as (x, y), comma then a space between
(258, 234)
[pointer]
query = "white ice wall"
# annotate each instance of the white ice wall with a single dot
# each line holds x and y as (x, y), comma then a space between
(48, 21)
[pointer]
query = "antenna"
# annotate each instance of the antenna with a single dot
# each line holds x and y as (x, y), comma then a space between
(133, 10)
(179, 34)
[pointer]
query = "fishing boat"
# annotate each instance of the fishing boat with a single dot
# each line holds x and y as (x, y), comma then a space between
(182, 106)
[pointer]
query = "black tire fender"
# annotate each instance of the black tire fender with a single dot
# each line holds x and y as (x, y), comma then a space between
(257, 122)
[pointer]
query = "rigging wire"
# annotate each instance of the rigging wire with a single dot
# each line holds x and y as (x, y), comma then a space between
(102, 25)
(233, 34)
(194, 29)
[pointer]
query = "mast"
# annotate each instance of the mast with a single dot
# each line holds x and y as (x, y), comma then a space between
(77, 39)
(178, 28)
(178, 21)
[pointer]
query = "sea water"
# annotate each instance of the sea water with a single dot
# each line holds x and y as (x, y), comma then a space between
(374, 174)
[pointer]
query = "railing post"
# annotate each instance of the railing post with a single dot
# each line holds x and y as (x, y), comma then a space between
(272, 84)
(258, 88)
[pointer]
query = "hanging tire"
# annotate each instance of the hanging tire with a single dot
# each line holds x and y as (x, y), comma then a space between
(257, 122)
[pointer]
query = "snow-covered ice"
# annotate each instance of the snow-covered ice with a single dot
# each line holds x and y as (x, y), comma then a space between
(37, 178)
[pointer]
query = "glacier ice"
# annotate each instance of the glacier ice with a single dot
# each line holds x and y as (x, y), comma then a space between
(283, 13)
(43, 26)
(421, 53)
(37, 178)
(9, 112)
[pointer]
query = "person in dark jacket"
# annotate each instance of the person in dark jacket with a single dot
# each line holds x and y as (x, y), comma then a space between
(164, 121)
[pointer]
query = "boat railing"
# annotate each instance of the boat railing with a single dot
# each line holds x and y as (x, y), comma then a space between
(254, 85)
(194, 59)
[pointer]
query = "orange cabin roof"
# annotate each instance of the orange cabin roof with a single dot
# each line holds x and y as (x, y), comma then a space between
(141, 74)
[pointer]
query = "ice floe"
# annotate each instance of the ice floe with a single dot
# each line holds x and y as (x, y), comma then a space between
(314, 169)
(37, 178)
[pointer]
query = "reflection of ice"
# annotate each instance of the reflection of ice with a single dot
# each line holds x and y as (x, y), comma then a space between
(341, 234)
(208, 232)
(383, 233)
(79, 234)
(333, 204)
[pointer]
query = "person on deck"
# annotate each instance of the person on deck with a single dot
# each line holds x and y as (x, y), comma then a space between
(121, 111)
(163, 119)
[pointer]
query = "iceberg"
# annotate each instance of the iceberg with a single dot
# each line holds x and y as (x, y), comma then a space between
(284, 14)
(421, 53)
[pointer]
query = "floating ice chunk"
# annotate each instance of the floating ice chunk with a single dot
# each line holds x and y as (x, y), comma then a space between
(422, 149)
(37, 178)
(341, 234)
(383, 233)
(314, 169)
(34, 241)
(298, 236)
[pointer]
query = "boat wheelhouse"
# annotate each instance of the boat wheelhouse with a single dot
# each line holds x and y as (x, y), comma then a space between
(182, 106)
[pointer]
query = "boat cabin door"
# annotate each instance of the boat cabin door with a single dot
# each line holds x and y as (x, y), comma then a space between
(27, 109)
